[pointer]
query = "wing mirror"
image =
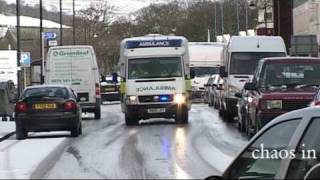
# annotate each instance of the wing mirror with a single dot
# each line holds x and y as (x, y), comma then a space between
(250, 86)
(192, 74)
(213, 177)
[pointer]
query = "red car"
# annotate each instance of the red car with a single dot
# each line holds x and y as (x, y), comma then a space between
(279, 85)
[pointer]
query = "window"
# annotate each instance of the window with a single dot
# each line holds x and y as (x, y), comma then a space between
(259, 161)
(155, 68)
(205, 71)
(45, 92)
(308, 152)
(246, 62)
(290, 74)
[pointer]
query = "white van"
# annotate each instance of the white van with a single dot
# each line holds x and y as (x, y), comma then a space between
(241, 57)
(205, 60)
(76, 66)
(156, 80)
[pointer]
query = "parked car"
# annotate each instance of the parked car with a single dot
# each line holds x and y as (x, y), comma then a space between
(47, 108)
(286, 148)
(110, 90)
(213, 88)
(8, 96)
(279, 85)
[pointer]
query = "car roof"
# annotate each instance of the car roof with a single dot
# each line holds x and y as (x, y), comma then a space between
(47, 85)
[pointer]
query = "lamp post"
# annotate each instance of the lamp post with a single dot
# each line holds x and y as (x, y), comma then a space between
(41, 42)
(222, 18)
(18, 45)
(73, 23)
(61, 30)
(238, 19)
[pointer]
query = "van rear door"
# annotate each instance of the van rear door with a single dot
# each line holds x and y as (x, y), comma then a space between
(73, 66)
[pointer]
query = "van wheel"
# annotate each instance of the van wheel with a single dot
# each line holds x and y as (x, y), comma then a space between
(21, 133)
(182, 117)
(97, 113)
(131, 120)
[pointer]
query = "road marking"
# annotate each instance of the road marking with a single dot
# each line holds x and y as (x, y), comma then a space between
(7, 136)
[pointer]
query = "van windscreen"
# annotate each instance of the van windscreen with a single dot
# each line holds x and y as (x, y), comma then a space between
(246, 62)
(164, 67)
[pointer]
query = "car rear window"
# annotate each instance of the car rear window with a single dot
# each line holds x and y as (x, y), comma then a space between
(59, 92)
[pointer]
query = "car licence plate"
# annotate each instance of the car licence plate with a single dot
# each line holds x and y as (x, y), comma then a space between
(156, 110)
(45, 106)
(109, 89)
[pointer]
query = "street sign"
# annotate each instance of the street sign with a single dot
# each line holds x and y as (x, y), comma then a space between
(52, 43)
(50, 35)
(25, 59)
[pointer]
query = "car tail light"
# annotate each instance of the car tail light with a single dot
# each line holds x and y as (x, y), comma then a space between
(317, 103)
(21, 107)
(97, 89)
(70, 106)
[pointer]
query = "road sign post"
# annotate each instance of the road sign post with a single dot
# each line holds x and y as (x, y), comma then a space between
(25, 62)
(49, 36)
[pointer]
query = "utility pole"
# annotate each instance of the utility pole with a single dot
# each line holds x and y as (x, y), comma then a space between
(41, 43)
(265, 15)
(18, 45)
(222, 18)
(238, 20)
(215, 20)
(61, 30)
(246, 9)
(73, 22)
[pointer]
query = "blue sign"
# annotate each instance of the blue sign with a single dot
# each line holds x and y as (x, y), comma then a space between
(50, 35)
(25, 59)
(154, 43)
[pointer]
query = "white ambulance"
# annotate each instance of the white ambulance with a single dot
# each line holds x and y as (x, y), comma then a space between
(76, 66)
(156, 81)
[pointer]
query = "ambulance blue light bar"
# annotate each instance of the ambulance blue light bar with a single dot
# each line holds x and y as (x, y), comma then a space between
(154, 43)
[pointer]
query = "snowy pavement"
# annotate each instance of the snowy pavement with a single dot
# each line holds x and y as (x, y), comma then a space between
(29, 158)
(6, 127)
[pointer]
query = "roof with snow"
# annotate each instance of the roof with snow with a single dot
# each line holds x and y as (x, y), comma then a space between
(25, 21)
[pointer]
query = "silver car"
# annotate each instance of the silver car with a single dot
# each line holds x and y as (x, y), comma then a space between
(286, 148)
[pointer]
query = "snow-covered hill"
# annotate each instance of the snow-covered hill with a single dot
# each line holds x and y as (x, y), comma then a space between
(122, 7)
(10, 21)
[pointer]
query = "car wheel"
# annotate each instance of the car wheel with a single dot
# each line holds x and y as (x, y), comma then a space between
(182, 117)
(210, 101)
(75, 132)
(80, 128)
(4, 118)
(243, 122)
(97, 113)
(248, 128)
(21, 133)
(131, 120)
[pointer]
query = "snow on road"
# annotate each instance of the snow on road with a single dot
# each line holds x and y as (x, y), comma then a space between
(6, 127)
(108, 149)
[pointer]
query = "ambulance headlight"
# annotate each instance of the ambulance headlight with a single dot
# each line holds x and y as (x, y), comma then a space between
(179, 99)
(132, 100)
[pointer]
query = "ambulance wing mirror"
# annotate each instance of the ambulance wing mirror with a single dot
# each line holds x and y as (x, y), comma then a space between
(222, 71)
(192, 74)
